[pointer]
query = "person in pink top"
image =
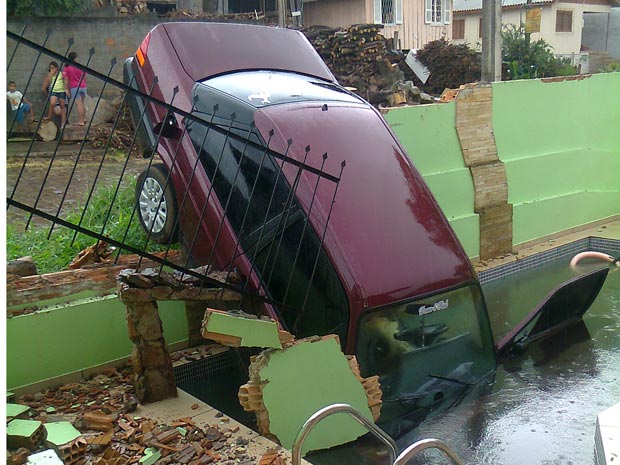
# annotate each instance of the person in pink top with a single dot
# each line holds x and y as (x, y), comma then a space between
(76, 81)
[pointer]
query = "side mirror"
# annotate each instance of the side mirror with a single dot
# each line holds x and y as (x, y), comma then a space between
(170, 129)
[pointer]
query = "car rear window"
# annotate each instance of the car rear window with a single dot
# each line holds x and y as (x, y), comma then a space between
(264, 88)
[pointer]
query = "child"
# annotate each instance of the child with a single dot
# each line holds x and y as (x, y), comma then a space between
(77, 87)
(19, 103)
(55, 85)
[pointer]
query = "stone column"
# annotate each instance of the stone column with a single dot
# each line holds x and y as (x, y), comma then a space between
(153, 376)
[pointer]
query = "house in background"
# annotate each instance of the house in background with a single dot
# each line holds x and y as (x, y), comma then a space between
(560, 21)
(413, 23)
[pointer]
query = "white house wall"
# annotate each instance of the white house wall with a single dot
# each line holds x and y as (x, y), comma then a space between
(337, 13)
(413, 33)
(563, 43)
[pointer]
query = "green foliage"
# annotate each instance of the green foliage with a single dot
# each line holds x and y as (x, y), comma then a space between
(57, 253)
(524, 59)
(44, 7)
(610, 68)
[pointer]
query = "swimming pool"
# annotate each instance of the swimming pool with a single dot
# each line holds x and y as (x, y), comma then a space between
(543, 406)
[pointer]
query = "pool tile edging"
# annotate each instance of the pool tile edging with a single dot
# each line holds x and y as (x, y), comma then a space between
(598, 244)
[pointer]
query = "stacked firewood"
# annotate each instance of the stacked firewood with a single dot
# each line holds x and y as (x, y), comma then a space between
(363, 59)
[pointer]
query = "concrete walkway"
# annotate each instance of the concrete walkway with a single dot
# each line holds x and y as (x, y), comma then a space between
(608, 229)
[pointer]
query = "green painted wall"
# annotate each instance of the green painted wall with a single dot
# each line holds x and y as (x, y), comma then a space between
(560, 143)
(84, 334)
(428, 134)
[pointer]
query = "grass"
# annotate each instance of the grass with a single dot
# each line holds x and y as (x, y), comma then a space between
(57, 252)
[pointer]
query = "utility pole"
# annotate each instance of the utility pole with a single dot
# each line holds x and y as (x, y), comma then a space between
(491, 40)
(281, 13)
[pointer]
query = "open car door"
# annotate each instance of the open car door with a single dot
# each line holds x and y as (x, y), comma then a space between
(563, 306)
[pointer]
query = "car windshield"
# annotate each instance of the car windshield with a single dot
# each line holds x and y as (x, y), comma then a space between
(264, 88)
(426, 351)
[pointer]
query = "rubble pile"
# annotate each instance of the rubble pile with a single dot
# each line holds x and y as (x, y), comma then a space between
(117, 135)
(100, 410)
(253, 17)
(361, 58)
(123, 7)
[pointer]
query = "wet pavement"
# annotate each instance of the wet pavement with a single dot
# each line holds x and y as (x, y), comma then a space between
(52, 177)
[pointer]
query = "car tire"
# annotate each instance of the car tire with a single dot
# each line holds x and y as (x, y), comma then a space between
(156, 204)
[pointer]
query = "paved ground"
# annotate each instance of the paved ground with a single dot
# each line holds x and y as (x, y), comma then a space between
(61, 180)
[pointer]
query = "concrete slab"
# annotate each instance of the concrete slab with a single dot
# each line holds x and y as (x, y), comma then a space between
(607, 439)
(202, 414)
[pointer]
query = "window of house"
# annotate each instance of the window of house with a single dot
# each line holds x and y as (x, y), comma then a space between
(388, 11)
(437, 11)
(458, 29)
(564, 21)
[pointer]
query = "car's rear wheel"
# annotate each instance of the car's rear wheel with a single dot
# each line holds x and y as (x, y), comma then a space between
(156, 203)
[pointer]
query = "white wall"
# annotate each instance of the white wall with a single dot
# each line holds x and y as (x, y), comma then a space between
(563, 43)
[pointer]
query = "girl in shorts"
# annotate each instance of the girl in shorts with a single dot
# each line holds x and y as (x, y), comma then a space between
(55, 85)
(77, 87)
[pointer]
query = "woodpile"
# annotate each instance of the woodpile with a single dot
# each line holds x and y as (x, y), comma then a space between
(362, 59)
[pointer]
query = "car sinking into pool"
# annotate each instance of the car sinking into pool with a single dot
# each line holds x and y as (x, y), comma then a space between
(390, 277)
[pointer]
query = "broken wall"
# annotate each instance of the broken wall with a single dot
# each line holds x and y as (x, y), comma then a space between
(557, 141)
(67, 339)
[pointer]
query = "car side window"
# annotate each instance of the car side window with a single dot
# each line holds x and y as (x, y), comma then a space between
(274, 233)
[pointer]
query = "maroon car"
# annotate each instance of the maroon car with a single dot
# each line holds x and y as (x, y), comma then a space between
(376, 263)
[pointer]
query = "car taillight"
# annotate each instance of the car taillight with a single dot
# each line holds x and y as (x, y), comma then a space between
(141, 52)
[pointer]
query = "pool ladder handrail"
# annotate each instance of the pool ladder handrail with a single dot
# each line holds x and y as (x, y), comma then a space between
(424, 444)
(339, 408)
(402, 459)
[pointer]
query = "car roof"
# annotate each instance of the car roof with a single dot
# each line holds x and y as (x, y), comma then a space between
(211, 49)
(389, 238)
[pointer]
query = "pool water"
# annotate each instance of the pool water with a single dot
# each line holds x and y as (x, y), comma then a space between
(543, 406)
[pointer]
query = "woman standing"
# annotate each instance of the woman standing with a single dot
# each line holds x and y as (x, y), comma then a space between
(55, 85)
(76, 79)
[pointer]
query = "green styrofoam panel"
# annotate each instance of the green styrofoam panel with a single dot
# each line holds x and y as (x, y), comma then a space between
(61, 432)
(534, 117)
(302, 379)
(429, 136)
(253, 332)
(24, 428)
(13, 410)
(535, 220)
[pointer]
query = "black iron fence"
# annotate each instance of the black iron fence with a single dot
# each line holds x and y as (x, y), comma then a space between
(222, 190)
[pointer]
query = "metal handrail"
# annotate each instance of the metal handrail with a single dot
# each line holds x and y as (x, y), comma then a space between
(424, 444)
(339, 408)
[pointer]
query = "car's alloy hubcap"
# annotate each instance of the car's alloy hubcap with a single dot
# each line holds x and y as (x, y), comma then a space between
(153, 209)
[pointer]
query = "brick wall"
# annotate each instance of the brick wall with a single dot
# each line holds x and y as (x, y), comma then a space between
(110, 37)
(475, 131)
